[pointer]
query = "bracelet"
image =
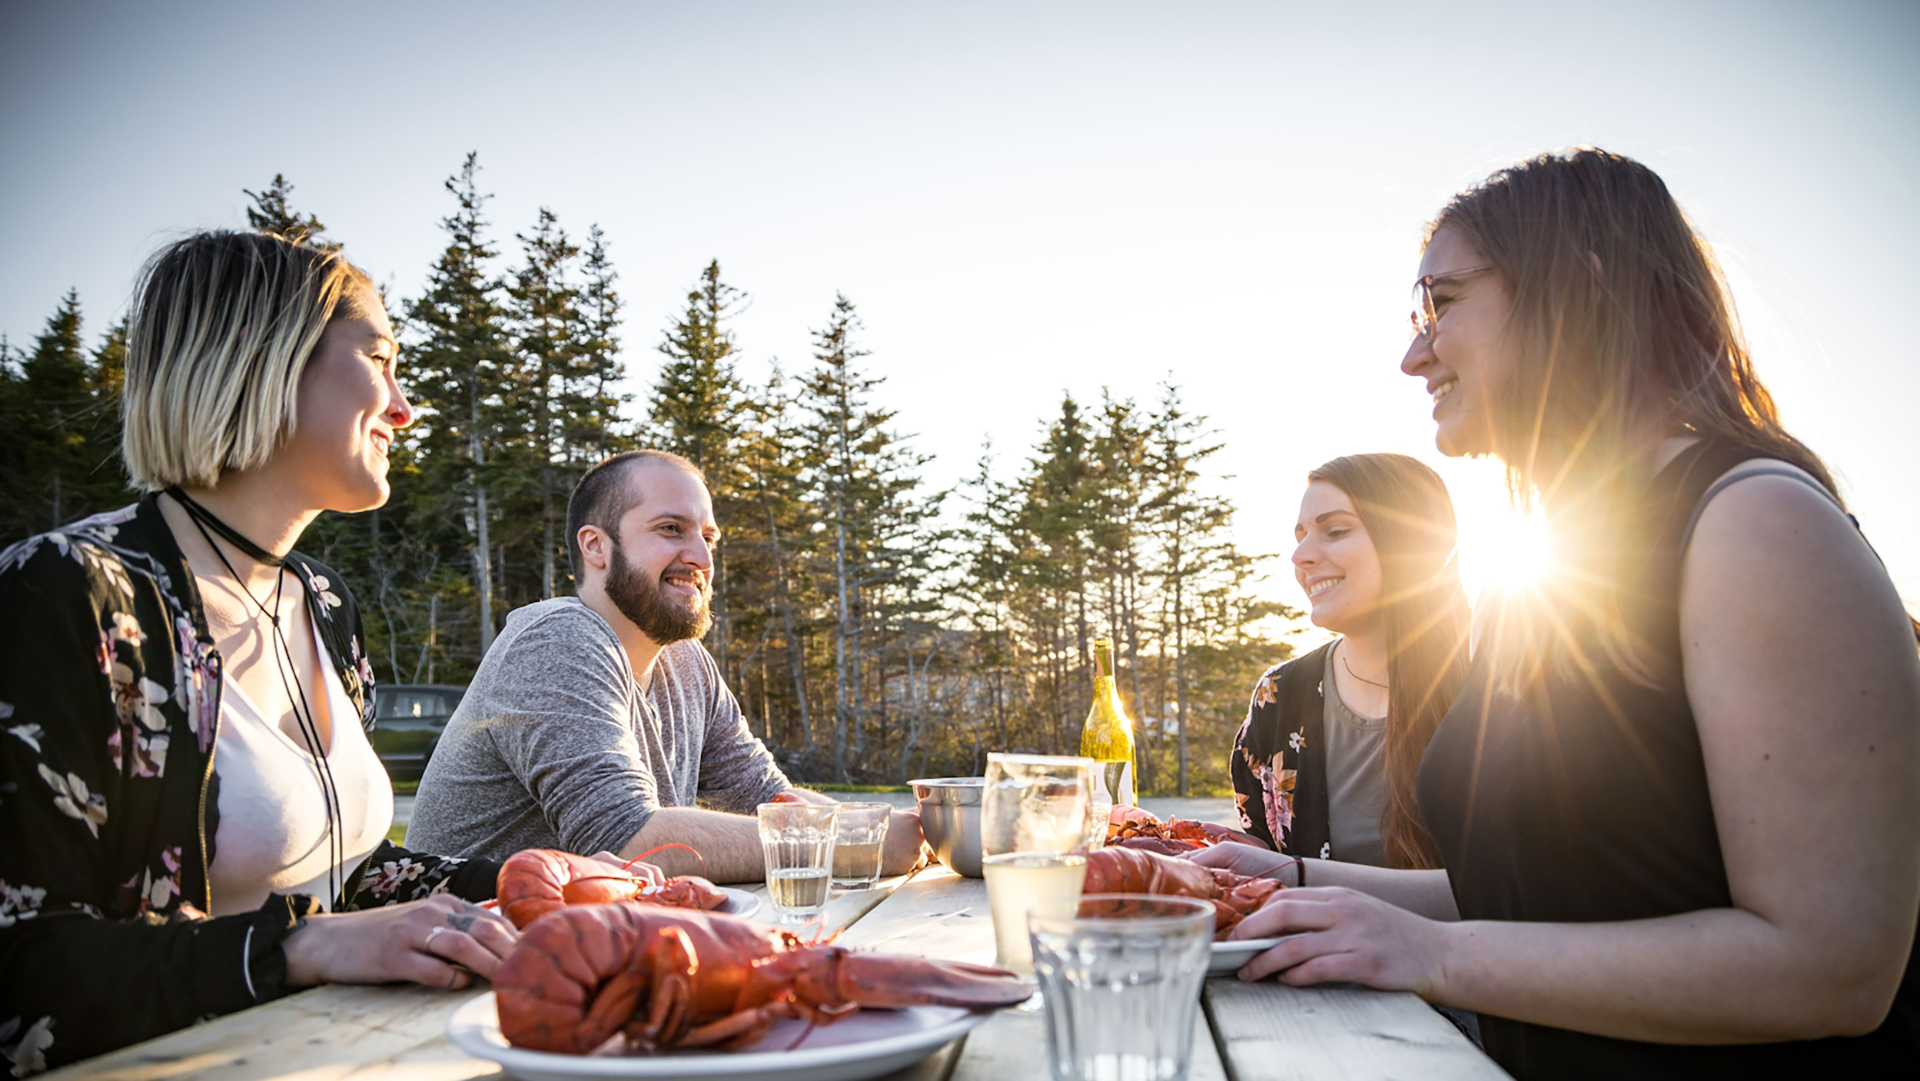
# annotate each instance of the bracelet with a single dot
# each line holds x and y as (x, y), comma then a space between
(1297, 862)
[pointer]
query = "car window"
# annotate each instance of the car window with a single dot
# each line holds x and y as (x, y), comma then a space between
(393, 703)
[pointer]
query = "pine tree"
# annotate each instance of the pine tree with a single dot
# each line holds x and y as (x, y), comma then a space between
(768, 549)
(550, 331)
(596, 429)
(272, 213)
(54, 390)
(459, 366)
(865, 487)
(699, 411)
(1189, 527)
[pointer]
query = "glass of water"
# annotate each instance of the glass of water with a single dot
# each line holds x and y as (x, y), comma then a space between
(856, 851)
(1121, 976)
(797, 841)
(1033, 842)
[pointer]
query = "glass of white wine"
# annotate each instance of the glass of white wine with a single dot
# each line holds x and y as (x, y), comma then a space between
(797, 840)
(1034, 819)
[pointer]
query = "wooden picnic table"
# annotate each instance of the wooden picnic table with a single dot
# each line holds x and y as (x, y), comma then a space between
(1262, 1030)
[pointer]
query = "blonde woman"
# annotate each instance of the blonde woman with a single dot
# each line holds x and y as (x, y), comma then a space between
(193, 819)
(1675, 798)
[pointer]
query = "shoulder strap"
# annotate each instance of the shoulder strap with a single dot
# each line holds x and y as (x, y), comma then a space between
(1787, 471)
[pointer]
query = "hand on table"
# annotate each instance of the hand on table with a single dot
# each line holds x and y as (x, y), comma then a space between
(901, 852)
(440, 942)
(1351, 937)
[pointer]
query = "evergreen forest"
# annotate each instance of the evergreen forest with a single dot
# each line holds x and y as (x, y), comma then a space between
(873, 627)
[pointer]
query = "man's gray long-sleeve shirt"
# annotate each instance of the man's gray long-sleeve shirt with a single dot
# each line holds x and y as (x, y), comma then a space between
(555, 746)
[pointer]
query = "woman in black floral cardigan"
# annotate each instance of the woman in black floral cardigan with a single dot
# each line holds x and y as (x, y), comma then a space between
(164, 662)
(1325, 764)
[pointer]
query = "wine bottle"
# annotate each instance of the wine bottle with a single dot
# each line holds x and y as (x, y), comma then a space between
(1108, 735)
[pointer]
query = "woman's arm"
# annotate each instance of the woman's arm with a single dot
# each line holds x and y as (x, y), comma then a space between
(393, 875)
(1805, 686)
(1424, 892)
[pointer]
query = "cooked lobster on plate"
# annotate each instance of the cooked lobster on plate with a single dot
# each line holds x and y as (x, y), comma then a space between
(1134, 870)
(537, 881)
(1132, 827)
(663, 978)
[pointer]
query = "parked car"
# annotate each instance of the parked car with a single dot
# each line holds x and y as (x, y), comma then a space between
(407, 721)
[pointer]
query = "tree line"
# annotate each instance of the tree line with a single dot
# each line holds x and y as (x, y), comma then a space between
(873, 627)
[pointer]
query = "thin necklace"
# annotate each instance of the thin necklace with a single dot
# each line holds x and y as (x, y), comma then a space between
(1356, 675)
(289, 673)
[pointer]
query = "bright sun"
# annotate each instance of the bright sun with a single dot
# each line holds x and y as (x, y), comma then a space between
(1500, 546)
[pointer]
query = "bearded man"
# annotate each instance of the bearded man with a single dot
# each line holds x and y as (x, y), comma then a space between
(596, 722)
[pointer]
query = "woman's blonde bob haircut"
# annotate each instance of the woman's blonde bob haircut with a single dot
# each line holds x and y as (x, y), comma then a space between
(223, 324)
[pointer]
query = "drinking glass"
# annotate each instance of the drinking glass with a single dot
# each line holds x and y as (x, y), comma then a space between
(856, 849)
(797, 841)
(1034, 823)
(1121, 976)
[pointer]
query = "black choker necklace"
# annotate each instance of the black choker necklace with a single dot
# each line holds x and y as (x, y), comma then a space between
(205, 520)
(1356, 675)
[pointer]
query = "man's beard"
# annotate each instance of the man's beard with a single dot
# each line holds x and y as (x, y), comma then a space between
(663, 619)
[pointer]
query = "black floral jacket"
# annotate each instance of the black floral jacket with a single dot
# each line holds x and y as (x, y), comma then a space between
(1279, 761)
(109, 708)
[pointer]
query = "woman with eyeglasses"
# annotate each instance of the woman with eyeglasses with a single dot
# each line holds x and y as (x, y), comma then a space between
(1675, 799)
(193, 820)
(1326, 761)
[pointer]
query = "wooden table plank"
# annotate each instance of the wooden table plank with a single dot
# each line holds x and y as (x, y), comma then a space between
(1270, 1030)
(328, 1032)
(940, 914)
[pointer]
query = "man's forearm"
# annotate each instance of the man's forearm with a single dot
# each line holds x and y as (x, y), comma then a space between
(728, 844)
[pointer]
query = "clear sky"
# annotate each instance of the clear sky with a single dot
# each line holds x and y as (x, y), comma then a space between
(1024, 199)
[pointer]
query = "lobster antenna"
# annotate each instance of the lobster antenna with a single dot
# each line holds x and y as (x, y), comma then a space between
(627, 866)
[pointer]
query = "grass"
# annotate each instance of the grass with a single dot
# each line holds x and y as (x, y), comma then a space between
(855, 787)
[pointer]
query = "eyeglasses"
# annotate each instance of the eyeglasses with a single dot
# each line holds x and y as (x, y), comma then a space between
(1423, 317)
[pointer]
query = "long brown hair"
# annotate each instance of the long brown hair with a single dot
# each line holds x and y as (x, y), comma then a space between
(1624, 333)
(1409, 517)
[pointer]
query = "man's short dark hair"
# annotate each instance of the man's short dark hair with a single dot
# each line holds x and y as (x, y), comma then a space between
(603, 495)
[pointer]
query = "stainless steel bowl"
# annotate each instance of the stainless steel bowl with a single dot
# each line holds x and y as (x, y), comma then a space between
(950, 818)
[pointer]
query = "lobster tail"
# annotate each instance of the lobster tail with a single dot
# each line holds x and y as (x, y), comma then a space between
(572, 981)
(1134, 870)
(833, 975)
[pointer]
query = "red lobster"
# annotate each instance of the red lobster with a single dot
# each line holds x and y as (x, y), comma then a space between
(1133, 870)
(1134, 828)
(537, 881)
(669, 978)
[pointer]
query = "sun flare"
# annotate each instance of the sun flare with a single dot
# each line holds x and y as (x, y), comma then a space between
(1503, 548)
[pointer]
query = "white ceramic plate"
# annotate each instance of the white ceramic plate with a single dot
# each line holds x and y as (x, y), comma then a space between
(871, 1043)
(1229, 956)
(739, 902)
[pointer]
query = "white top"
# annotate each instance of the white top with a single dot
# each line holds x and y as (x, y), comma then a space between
(272, 834)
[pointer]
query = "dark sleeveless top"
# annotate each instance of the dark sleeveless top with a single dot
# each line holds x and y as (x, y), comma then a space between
(1586, 801)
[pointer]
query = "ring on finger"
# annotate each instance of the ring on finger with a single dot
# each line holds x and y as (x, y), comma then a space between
(433, 934)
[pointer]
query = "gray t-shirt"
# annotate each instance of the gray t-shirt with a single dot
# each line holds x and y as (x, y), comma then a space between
(1356, 780)
(554, 745)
